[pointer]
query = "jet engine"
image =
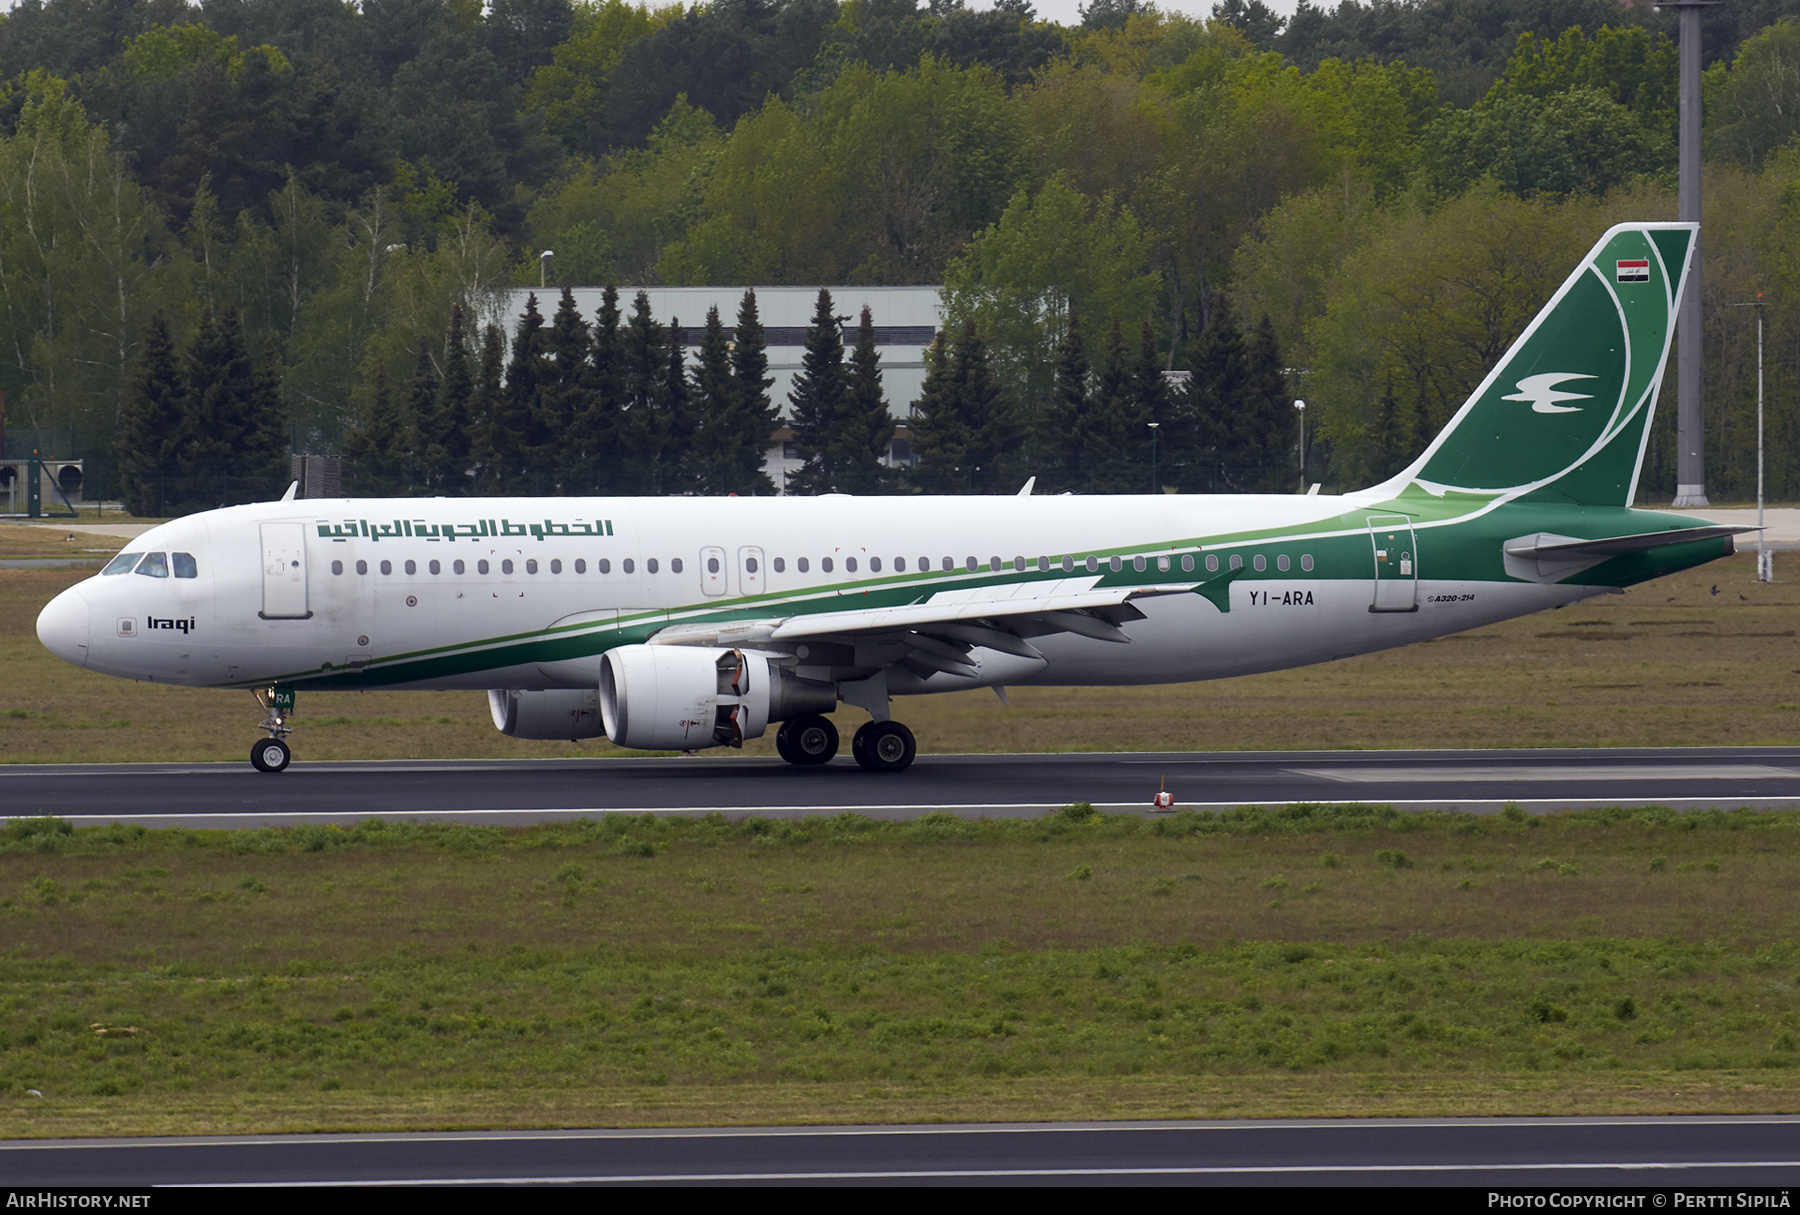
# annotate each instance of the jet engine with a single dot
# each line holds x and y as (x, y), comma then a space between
(556, 714)
(682, 698)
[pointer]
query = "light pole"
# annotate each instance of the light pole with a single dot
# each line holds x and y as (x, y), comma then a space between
(1690, 464)
(1300, 407)
(1765, 560)
(1154, 427)
(543, 263)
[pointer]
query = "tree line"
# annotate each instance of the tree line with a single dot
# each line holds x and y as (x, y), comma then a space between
(1393, 186)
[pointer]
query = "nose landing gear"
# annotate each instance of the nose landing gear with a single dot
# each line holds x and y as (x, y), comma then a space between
(272, 754)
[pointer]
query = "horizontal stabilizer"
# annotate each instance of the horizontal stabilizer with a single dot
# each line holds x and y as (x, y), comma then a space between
(1548, 546)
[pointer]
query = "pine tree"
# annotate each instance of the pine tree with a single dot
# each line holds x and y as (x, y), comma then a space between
(264, 443)
(817, 406)
(487, 442)
(562, 395)
(754, 415)
(679, 422)
(514, 435)
(642, 372)
(1118, 441)
(712, 460)
(963, 428)
(1063, 423)
(1266, 423)
(376, 449)
(594, 436)
(220, 399)
(868, 425)
(1151, 395)
(1218, 364)
(941, 437)
(148, 432)
(422, 414)
(450, 451)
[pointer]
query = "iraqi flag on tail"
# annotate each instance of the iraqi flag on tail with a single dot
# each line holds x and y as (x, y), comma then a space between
(1636, 271)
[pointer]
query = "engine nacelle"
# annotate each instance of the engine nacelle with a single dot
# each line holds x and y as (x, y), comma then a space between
(683, 698)
(556, 714)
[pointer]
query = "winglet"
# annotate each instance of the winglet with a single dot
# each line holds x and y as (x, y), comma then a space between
(293, 490)
(1029, 482)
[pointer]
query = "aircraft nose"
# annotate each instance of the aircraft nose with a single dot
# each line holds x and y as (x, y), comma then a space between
(63, 627)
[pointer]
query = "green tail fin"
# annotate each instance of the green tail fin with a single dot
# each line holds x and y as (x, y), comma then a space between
(1566, 413)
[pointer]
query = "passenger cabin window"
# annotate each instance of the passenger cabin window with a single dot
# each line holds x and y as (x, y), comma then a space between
(801, 565)
(1212, 563)
(1068, 564)
(875, 564)
(555, 566)
(780, 565)
(362, 567)
(749, 564)
(629, 565)
(184, 565)
(387, 567)
(531, 565)
(1306, 562)
(581, 565)
(849, 563)
(1187, 563)
(505, 566)
(435, 567)
(121, 564)
(899, 565)
(674, 565)
(603, 565)
(154, 565)
(1281, 563)
(412, 567)
(481, 567)
(825, 564)
(457, 566)
(337, 567)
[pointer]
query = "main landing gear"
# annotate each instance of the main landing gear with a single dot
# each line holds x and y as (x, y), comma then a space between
(272, 754)
(880, 746)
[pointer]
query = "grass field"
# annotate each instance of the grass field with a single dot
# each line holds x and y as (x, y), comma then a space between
(1669, 663)
(1337, 961)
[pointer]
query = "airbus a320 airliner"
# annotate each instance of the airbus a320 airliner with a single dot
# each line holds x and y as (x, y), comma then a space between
(685, 623)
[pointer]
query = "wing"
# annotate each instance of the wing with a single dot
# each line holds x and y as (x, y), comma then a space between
(937, 635)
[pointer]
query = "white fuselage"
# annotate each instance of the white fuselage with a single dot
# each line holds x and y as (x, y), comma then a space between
(669, 560)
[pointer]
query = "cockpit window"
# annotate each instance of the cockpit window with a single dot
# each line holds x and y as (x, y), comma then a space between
(154, 565)
(121, 564)
(185, 567)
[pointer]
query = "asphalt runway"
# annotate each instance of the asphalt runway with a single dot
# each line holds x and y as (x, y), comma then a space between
(523, 791)
(1566, 1153)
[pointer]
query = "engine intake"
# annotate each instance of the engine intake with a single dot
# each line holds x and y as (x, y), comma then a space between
(683, 698)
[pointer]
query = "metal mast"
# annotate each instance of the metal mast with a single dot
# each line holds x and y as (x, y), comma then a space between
(1690, 467)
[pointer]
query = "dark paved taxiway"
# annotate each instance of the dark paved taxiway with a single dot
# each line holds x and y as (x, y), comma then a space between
(232, 795)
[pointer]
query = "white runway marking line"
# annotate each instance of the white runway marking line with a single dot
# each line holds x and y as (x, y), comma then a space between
(1573, 772)
(1544, 804)
(973, 1174)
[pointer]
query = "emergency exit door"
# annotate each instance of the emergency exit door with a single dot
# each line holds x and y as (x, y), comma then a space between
(1396, 564)
(284, 572)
